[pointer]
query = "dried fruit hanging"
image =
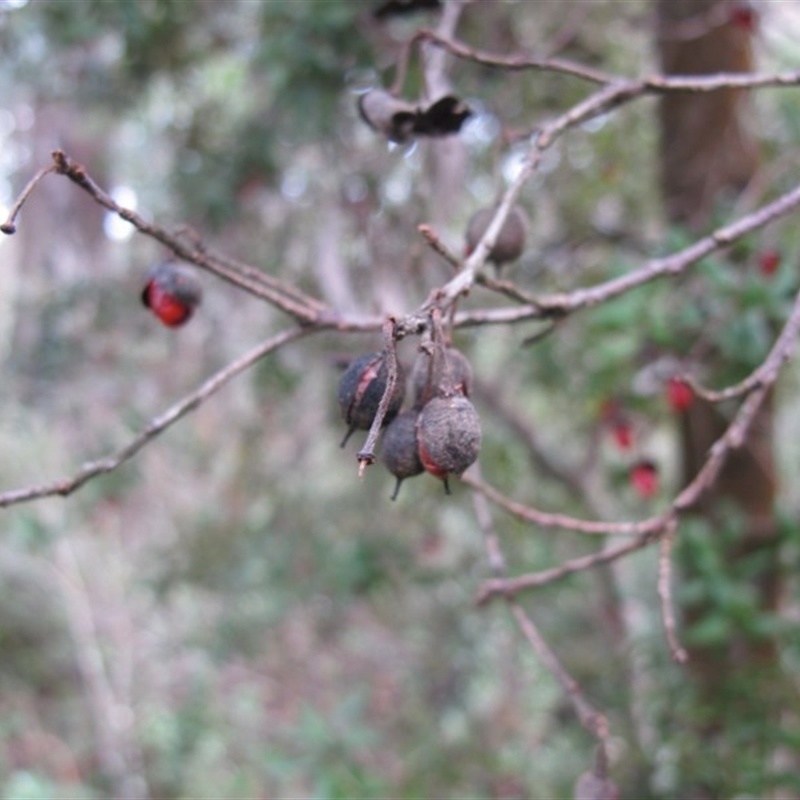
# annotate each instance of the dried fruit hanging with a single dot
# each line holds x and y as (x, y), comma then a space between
(361, 388)
(510, 240)
(448, 436)
(399, 450)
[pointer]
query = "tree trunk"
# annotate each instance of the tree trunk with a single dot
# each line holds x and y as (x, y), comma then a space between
(708, 155)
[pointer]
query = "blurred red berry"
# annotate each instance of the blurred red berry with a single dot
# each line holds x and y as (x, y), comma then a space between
(644, 478)
(172, 293)
(679, 394)
(744, 17)
(768, 262)
(614, 416)
(623, 435)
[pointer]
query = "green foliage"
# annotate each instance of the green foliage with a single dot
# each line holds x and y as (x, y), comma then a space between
(23, 785)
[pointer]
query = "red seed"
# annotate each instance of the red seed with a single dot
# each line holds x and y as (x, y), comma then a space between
(768, 262)
(172, 293)
(171, 311)
(679, 394)
(744, 17)
(623, 435)
(644, 478)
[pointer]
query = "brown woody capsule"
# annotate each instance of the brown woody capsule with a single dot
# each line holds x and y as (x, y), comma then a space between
(399, 448)
(361, 388)
(442, 118)
(510, 241)
(387, 114)
(453, 375)
(448, 436)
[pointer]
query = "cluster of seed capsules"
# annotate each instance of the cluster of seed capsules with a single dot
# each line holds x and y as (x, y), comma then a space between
(440, 433)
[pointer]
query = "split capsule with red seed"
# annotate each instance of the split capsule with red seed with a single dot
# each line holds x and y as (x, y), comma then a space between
(172, 292)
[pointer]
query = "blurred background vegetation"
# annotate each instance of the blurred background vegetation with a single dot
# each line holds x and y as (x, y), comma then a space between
(235, 614)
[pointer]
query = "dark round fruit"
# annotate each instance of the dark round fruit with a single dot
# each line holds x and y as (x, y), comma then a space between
(399, 448)
(511, 239)
(448, 435)
(452, 375)
(361, 388)
(172, 292)
(387, 114)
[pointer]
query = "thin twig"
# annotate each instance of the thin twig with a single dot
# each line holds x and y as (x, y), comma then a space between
(589, 717)
(542, 333)
(483, 513)
(438, 246)
(117, 751)
(8, 226)
(767, 371)
(507, 288)
(288, 289)
(305, 312)
(511, 586)
(155, 427)
(649, 529)
(516, 62)
(665, 594)
(366, 455)
(651, 84)
(563, 521)
(547, 306)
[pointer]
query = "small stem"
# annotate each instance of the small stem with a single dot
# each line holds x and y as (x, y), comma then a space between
(665, 594)
(366, 456)
(8, 226)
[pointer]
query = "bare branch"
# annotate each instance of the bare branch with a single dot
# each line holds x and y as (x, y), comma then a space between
(564, 522)
(566, 303)
(515, 62)
(507, 288)
(767, 371)
(155, 427)
(647, 530)
(118, 752)
(652, 84)
(8, 226)
(366, 455)
(287, 298)
(438, 246)
(591, 719)
(510, 586)
(665, 594)
(483, 513)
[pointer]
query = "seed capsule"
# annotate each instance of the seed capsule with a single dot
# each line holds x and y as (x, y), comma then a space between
(442, 118)
(510, 241)
(360, 391)
(399, 450)
(448, 436)
(450, 375)
(387, 114)
(399, 121)
(172, 292)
